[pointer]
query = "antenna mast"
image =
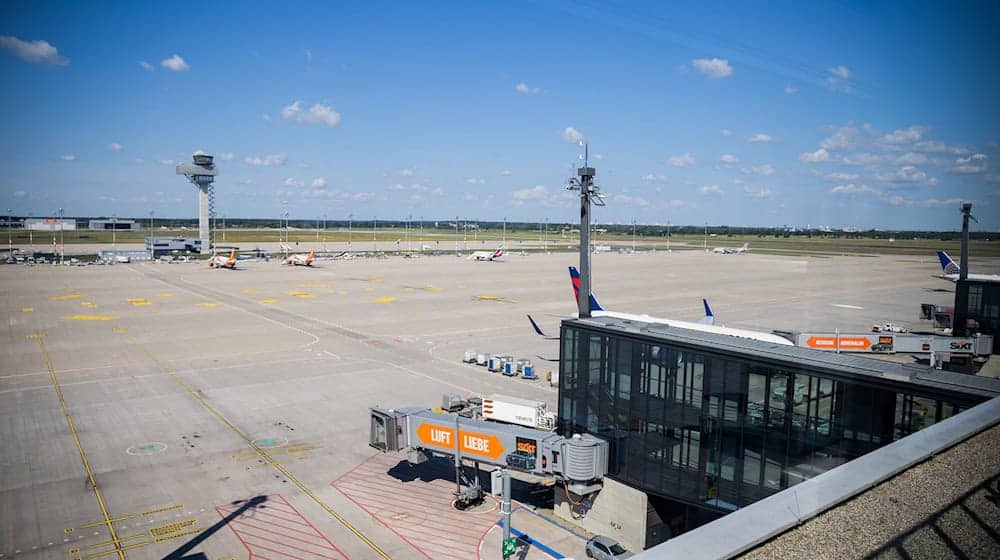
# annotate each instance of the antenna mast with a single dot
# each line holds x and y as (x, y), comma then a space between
(589, 192)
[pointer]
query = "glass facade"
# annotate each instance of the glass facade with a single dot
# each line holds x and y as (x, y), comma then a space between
(977, 309)
(721, 431)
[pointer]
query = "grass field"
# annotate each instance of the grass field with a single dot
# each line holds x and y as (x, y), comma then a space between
(773, 245)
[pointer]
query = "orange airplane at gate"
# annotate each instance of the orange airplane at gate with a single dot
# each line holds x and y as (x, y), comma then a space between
(487, 446)
(218, 261)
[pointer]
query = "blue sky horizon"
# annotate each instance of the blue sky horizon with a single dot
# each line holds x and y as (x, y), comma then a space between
(819, 114)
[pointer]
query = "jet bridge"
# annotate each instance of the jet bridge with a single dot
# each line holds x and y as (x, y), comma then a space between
(580, 461)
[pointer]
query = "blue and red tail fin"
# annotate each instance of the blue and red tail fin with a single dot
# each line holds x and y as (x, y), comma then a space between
(574, 277)
(947, 264)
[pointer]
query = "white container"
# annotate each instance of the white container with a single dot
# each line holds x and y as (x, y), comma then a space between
(470, 356)
(523, 412)
(480, 359)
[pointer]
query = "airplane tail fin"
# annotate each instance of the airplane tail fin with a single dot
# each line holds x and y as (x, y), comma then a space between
(709, 318)
(574, 276)
(311, 257)
(498, 253)
(948, 266)
(746, 246)
(538, 330)
(232, 257)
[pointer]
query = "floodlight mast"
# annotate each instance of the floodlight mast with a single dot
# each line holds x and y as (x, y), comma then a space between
(589, 192)
(201, 172)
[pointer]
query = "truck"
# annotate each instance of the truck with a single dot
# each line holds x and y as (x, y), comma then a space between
(523, 412)
(889, 327)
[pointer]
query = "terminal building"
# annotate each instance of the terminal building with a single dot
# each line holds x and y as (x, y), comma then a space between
(170, 245)
(104, 224)
(50, 224)
(977, 307)
(701, 425)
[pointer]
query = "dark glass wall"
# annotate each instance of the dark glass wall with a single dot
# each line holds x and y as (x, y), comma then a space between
(717, 431)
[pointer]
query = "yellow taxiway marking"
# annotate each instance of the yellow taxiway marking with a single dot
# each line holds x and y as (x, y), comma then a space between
(407, 289)
(35, 336)
(498, 299)
(67, 296)
(165, 294)
(300, 295)
(341, 292)
(90, 318)
(373, 279)
(156, 532)
(119, 330)
(250, 290)
(123, 539)
(207, 304)
(138, 301)
(27, 309)
(91, 481)
(369, 289)
(432, 288)
(89, 304)
(462, 286)
(262, 452)
(385, 299)
(268, 300)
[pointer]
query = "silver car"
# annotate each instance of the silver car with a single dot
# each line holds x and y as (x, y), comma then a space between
(606, 548)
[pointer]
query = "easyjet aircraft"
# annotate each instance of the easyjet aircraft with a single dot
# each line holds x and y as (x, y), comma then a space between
(300, 260)
(218, 261)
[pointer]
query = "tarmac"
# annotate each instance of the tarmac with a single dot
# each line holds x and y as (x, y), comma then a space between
(165, 410)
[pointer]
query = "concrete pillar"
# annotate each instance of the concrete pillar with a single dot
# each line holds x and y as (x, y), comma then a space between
(203, 223)
(618, 511)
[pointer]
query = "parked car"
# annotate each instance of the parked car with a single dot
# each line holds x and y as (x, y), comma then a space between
(606, 548)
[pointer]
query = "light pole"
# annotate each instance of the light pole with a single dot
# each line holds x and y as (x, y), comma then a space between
(350, 219)
(546, 236)
(10, 240)
(324, 232)
(456, 236)
(31, 237)
(504, 238)
(668, 236)
(62, 239)
(409, 217)
(317, 230)
(223, 227)
(633, 236)
(114, 232)
(152, 253)
(375, 234)
(706, 237)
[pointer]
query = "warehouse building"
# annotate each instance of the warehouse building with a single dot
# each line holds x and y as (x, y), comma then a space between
(50, 224)
(105, 224)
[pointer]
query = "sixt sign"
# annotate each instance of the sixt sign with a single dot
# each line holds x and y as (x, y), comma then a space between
(960, 346)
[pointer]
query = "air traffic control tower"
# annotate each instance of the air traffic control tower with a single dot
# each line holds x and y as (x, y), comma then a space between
(201, 172)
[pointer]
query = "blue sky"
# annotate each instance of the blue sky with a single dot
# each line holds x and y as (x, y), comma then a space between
(823, 114)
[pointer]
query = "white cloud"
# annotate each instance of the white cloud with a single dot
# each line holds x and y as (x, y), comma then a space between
(976, 163)
(438, 191)
(791, 90)
(934, 146)
(19, 194)
(266, 160)
(167, 162)
(852, 188)
(726, 132)
(818, 156)
(505, 173)
(317, 114)
(713, 67)
(476, 181)
(522, 87)
(629, 200)
(760, 137)
(910, 158)
(710, 189)
(843, 137)
(67, 157)
(906, 174)
(653, 178)
(683, 160)
(762, 192)
(764, 169)
(175, 63)
(226, 156)
(571, 134)
(935, 202)
(729, 159)
(115, 147)
(318, 183)
(674, 203)
(415, 187)
(837, 77)
(905, 135)
(538, 193)
(140, 160)
(145, 66)
(265, 117)
(406, 172)
(840, 176)
(293, 182)
(33, 52)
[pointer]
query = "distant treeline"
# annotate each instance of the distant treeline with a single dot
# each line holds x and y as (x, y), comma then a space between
(445, 226)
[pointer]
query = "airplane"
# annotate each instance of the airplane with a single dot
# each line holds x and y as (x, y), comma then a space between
(707, 324)
(951, 270)
(732, 250)
(218, 261)
(487, 255)
(300, 260)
